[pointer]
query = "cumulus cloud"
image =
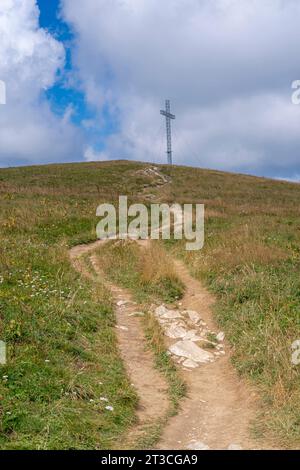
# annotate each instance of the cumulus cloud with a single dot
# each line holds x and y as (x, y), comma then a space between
(227, 66)
(30, 59)
(91, 155)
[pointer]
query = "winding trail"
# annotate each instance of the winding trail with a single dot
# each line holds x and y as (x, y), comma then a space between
(219, 407)
(150, 385)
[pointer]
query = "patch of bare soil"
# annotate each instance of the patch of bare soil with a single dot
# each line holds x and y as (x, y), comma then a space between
(149, 384)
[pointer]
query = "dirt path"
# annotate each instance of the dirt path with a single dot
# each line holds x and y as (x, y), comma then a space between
(149, 384)
(219, 407)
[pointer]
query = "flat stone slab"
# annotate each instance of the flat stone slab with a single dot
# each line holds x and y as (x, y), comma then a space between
(175, 331)
(190, 350)
(166, 314)
(192, 336)
(190, 364)
(194, 316)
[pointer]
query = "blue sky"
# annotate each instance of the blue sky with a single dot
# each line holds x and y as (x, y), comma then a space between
(61, 96)
(90, 78)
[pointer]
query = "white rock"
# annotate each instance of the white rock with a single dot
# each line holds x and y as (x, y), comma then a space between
(194, 316)
(164, 313)
(163, 322)
(137, 314)
(109, 408)
(190, 364)
(221, 336)
(160, 310)
(175, 331)
(192, 336)
(122, 303)
(171, 315)
(234, 447)
(191, 351)
(197, 445)
(123, 328)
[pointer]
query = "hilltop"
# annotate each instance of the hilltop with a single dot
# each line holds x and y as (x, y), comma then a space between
(59, 325)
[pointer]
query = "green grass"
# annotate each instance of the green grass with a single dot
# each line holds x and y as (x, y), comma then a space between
(251, 261)
(59, 327)
(148, 273)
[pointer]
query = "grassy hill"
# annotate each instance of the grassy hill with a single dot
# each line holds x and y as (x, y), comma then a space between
(59, 328)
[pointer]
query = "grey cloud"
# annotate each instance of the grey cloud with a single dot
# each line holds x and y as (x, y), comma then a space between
(227, 65)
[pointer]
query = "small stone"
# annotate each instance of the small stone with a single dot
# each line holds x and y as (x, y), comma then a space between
(123, 328)
(197, 445)
(190, 364)
(109, 408)
(221, 336)
(137, 314)
(194, 316)
(122, 303)
(167, 314)
(160, 310)
(103, 399)
(234, 447)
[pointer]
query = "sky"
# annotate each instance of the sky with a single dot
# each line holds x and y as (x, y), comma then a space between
(85, 80)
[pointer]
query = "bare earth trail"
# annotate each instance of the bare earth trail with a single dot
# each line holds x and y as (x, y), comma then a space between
(149, 384)
(219, 407)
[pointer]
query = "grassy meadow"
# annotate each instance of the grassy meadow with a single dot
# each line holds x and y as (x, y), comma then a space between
(59, 327)
(251, 262)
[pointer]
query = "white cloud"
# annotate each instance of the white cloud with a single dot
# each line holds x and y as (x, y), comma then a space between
(90, 155)
(29, 61)
(227, 66)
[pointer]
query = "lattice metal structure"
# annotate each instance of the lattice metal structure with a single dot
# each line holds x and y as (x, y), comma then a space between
(169, 117)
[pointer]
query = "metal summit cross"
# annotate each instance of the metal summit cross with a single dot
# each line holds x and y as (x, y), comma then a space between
(169, 116)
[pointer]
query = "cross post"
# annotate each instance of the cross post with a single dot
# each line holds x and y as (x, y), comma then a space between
(169, 117)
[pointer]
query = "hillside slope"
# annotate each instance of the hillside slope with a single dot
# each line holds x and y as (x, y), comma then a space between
(59, 328)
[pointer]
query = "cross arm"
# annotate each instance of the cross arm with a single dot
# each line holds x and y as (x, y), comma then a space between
(168, 115)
